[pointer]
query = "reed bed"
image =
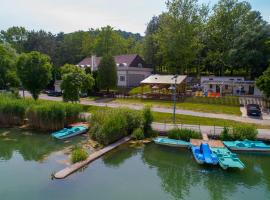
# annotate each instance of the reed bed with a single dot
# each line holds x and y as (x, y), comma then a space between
(40, 115)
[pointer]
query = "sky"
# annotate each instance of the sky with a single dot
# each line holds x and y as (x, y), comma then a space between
(73, 15)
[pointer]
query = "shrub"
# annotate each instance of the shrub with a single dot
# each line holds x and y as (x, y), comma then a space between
(138, 134)
(108, 126)
(148, 119)
(184, 134)
(226, 135)
(244, 132)
(78, 154)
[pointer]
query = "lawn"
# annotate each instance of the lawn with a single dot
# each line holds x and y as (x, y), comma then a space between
(201, 107)
(184, 119)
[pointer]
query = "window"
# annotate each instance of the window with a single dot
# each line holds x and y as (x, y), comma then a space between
(122, 78)
(211, 86)
(226, 87)
(231, 79)
(140, 65)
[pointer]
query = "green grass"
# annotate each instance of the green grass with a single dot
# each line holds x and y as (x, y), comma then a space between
(200, 107)
(184, 119)
(138, 90)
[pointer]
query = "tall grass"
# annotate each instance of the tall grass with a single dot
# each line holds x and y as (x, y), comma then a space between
(12, 110)
(52, 116)
(41, 115)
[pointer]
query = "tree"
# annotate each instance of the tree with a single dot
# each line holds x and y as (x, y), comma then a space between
(109, 42)
(236, 39)
(178, 34)
(263, 82)
(74, 81)
(107, 74)
(16, 36)
(34, 71)
(8, 77)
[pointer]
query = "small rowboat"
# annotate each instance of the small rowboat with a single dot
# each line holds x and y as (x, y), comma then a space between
(204, 155)
(171, 142)
(227, 159)
(247, 145)
(69, 132)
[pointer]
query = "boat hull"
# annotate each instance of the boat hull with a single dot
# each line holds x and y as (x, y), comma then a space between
(68, 133)
(171, 142)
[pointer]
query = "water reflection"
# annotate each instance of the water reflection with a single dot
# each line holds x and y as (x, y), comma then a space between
(180, 174)
(32, 147)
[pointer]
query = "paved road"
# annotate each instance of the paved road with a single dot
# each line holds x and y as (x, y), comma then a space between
(166, 110)
(263, 134)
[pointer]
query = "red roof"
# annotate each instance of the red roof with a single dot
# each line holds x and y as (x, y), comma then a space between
(128, 59)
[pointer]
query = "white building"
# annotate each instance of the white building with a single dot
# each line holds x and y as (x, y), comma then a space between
(131, 69)
(229, 85)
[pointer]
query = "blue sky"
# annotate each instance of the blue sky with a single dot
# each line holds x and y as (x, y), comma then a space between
(72, 15)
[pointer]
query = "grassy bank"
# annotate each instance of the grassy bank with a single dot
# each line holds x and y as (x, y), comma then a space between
(184, 119)
(200, 107)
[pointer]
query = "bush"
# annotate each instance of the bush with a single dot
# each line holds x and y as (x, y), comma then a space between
(225, 134)
(78, 154)
(243, 132)
(148, 119)
(138, 134)
(111, 125)
(184, 134)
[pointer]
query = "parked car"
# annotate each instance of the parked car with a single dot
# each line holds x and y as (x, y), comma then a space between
(83, 95)
(54, 94)
(254, 110)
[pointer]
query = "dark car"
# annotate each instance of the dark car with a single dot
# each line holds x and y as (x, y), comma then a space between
(54, 94)
(254, 110)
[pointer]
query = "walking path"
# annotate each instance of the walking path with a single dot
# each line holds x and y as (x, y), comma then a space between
(263, 134)
(75, 167)
(165, 110)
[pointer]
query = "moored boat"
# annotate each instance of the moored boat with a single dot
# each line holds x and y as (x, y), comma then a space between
(227, 159)
(247, 145)
(171, 142)
(69, 132)
(204, 155)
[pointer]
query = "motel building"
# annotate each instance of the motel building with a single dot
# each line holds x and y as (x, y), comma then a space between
(234, 86)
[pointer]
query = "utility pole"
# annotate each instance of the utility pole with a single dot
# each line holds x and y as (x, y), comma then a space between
(174, 98)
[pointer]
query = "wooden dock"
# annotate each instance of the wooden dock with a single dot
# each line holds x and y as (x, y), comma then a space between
(212, 143)
(73, 168)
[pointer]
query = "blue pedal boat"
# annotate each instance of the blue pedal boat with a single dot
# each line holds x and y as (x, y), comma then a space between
(171, 142)
(204, 155)
(69, 132)
(247, 145)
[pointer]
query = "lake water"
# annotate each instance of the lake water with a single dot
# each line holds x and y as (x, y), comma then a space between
(149, 172)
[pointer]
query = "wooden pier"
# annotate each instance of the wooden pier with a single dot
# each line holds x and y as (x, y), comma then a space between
(73, 168)
(211, 143)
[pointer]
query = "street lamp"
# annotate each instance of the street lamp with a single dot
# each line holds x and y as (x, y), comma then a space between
(174, 96)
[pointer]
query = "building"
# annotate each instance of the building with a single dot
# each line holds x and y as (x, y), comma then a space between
(229, 85)
(163, 86)
(131, 69)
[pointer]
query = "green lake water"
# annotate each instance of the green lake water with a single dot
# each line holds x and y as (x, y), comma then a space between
(149, 172)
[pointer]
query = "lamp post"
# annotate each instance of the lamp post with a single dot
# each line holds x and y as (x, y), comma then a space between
(174, 97)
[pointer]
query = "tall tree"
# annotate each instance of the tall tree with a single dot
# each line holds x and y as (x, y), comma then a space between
(263, 82)
(177, 36)
(109, 42)
(16, 36)
(8, 58)
(34, 71)
(236, 38)
(107, 74)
